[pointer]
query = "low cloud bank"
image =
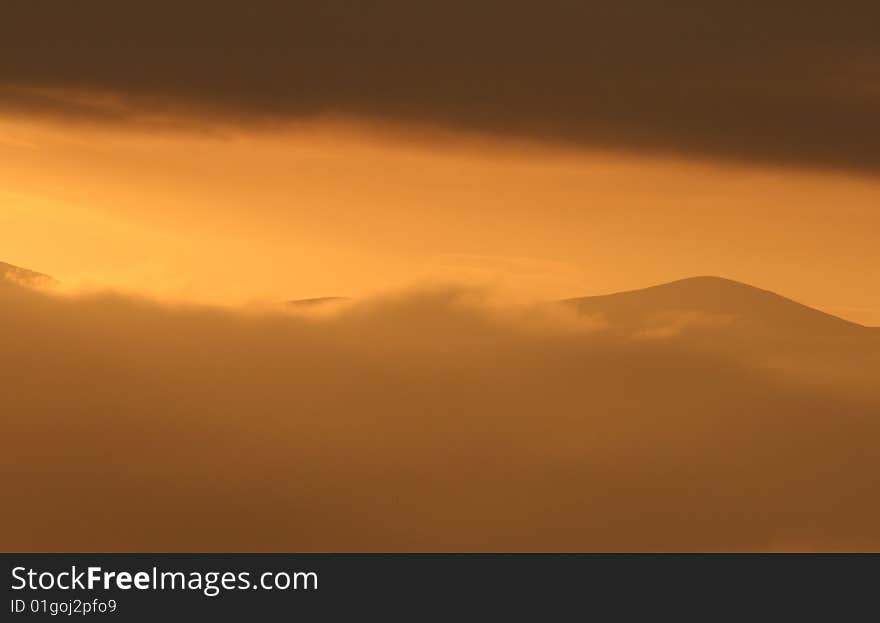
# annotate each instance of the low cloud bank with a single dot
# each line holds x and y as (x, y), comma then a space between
(432, 420)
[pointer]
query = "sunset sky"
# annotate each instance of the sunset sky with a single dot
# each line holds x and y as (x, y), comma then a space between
(275, 152)
(187, 171)
(332, 209)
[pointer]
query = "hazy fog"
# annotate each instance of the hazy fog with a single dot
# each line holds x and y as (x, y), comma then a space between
(437, 419)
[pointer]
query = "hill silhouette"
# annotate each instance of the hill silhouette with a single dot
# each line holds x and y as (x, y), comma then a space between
(736, 321)
(15, 275)
(737, 303)
(316, 302)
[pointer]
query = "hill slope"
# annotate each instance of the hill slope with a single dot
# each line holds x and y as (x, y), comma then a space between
(14, 275)
(726, 301)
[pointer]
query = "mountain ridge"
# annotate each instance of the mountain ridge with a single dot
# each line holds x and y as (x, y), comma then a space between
(16, 275)
(703, 294)
(710, 294)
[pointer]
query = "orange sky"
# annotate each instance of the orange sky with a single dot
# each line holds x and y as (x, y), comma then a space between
(334, 208)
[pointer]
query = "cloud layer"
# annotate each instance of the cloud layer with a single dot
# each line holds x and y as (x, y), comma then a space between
(764, 82)
(434, 420)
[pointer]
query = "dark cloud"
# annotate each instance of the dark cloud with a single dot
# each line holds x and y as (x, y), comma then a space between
(791, 83)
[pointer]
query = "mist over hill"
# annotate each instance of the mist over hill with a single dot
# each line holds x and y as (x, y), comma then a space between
(698, 415)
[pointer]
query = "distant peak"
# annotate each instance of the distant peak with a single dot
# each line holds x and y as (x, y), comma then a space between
(22, 276)
(700, 285)
(709, 294)
(708, 279)
(315, 302)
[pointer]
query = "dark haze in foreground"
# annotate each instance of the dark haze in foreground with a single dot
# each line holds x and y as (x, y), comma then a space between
(699, 415)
